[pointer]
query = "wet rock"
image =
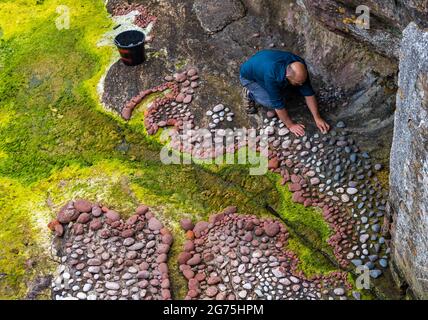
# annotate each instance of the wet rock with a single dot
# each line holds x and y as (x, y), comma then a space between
(155, 224)
(271, 229)
(211, 291)
(84, 218)
(112, 215)
(200, 227)
(83, 206)
(341, 125)
(273, 164)
(352, 191)
(95, 224)
(217, 14)
(112, 285)
(187, 224)
(218, 108)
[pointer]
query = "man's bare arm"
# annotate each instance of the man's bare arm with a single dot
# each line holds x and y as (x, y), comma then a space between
(312, 103)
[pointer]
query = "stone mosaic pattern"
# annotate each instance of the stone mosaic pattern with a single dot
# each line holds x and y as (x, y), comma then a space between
(325, 171)
(236, 256)
(103, 257)
(330, 172)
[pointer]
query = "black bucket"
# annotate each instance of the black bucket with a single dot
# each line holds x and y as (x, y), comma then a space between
(131, 47)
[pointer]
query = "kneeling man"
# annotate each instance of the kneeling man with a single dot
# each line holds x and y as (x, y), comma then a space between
(266, 77)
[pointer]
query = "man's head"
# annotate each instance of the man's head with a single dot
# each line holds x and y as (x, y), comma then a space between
(297, 73)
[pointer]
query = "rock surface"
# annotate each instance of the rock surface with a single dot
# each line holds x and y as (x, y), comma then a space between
(387, 20)
(409, 163)
(215, 15)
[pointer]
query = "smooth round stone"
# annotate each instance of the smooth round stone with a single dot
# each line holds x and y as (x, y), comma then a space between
(286, 144)
(242, 294)
(209, 113)
(341, 125)
(383, 263)
(241, 269)
(94, 269)
(247, 286)
(376, 228)
(112, 285)
(311, 174)
(364, 238)
(375, 273)
(315, 181)
(345, 198)
(283, 131)
(87, 287)
(294, 279)
(218, 108)
(351, 191)
(339, 291)
(378, 167)
(373, 258)
(81, 295)
(352, 184)
(357, 262)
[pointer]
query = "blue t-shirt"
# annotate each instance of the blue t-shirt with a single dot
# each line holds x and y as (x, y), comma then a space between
(268, 69)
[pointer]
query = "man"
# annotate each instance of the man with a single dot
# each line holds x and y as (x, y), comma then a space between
(267, 74)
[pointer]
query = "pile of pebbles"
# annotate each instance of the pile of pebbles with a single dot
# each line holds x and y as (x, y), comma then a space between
(331, 172)
(219, 114)
(142, 20)
(242, 257)
(103, 257)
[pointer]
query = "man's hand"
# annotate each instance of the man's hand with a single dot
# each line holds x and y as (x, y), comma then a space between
(297, 128)
(313, 106)
(322, 125)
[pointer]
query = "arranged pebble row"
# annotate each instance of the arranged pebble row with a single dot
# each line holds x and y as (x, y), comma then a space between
(243, 257)
(142, 20)
(330, 172)
(172, 108)
(103, 257)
